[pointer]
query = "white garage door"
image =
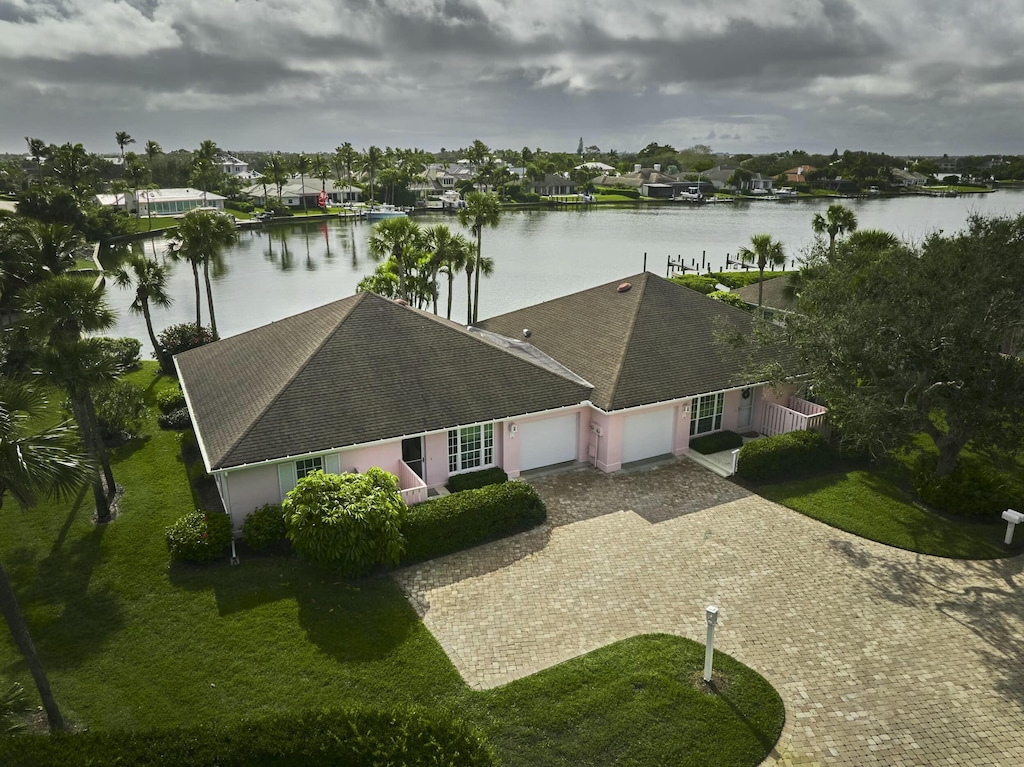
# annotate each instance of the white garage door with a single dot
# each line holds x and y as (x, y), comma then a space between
(542, 443)
(647, 434)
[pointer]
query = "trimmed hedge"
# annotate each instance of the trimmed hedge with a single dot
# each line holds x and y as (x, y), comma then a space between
(461, 520)
(264, 527)
(701, 284)
(717, 442)
(785, 456)
(170, 399)
(199, 536)
(176, 419)
(973, 489)
(354, 738)
(474, 480)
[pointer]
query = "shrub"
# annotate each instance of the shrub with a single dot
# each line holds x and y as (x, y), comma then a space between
(476, 479)
(730, 298)
(199, 536)
(701, 284)
(120, 410)
(176, 419)
(125, 352)
(197, 472)
(973, 489)
(347, 522)
(182, 337)
(741, 279)
(170, 399)
(455, 522)
(264, 527)
(715, 443)
(785, 456)
(355, 738)
(240, 205)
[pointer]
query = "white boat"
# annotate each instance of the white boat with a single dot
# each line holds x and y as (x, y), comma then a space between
(692, 194)
(381, 212)
(452, 200)
(786, 193)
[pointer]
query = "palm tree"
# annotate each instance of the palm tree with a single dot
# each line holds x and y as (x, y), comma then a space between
(446, 252)
(763, 251)
(459, 253)
(477, 264)
(62, 310)
(302, 166)
(838, 219)
(176, 252)
(45, 249)
(203, 235)
(371, 163)
(399, 238)
(70, 162)
(153, 149)
(321, 169)
(278, 172)
(32, 463)
(135, 171)
(38, 149)
(123, 139)
(150, 281)
(481, 210)
(204, 169)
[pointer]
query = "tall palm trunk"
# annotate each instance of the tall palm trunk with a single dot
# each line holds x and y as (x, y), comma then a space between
(209, 297)
(88, 436)
(760, 286)
(161, 353)
(199, 303)
(476, 286)
(101, 450)
(450, 277)
(19, 632)
(469, 295)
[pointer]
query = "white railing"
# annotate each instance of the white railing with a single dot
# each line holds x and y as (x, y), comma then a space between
(800, 415)
(411, 485)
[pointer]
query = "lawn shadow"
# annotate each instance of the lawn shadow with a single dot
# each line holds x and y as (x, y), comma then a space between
(352, 620)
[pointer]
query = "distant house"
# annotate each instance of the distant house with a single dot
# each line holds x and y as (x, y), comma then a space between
(618, 373)
(907, 178)
(552, 184)
(163, 202)
(799, 174)
(723, 177)
(293, 192)
(232, 166)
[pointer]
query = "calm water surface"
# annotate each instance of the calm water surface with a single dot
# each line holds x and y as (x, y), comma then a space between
(275, 272)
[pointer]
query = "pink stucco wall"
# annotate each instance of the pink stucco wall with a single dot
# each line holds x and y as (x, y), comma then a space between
(435, 456)
(248, 489)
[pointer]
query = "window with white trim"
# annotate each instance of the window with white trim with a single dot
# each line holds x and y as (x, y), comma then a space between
(308, 466)
(706, 414)
(471, 447)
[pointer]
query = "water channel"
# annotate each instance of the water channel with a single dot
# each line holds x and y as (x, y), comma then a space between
(278, 271)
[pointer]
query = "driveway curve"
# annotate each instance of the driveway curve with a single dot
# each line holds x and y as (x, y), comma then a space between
(882, 656)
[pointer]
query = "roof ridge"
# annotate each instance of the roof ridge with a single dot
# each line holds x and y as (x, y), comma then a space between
(629, 336)
(298, 369)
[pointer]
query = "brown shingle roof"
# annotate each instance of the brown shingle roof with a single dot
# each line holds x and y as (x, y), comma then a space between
(356, 370)
(657, 341)
(774, 296)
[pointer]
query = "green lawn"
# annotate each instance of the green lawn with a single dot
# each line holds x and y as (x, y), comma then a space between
(130, 642)
(871, 505)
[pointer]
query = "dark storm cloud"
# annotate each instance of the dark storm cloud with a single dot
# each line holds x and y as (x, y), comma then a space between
(765, 73)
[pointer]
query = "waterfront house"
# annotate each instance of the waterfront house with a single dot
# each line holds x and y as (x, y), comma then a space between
(163, 202)
(622, 372)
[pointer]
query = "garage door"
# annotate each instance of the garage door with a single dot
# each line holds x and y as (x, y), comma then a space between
(546, 442)
(647, 434)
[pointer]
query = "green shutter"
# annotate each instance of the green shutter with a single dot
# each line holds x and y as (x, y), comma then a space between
(332, 463)
(286, 477)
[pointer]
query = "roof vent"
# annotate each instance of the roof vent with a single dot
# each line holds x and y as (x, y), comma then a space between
(526, 333)
(624, 287)
(401, 302)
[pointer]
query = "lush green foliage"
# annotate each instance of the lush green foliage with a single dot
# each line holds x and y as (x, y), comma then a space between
(740, 279)
(784, 456)
(182, 337)
(124, 352)
(175, 419)
(13, 706)
(455, 522)
(973, 489)
(240, 205)
(354, 738)
(170, 398)
(264, 527)
(199, 536)
(715, 443)
(472, 480)
(120, 410)
(729, 298)
(346, 522)
(872, 505)
(701, 283)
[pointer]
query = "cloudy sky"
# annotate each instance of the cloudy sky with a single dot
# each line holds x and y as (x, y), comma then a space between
(901, 76)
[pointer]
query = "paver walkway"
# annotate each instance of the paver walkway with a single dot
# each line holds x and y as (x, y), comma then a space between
(882, 656)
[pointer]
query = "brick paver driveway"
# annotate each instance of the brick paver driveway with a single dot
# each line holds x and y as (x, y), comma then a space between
(883, 657)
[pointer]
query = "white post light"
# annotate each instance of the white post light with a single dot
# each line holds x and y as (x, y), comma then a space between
(1013, 518)
(711, 615)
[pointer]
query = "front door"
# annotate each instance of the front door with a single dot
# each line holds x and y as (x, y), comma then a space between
(412, 454)
(746, 410)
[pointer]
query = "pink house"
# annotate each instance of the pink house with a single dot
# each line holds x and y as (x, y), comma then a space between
(611, 375)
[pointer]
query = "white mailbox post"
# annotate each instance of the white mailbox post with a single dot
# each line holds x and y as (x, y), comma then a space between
(1013, 518)
(711, 615)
